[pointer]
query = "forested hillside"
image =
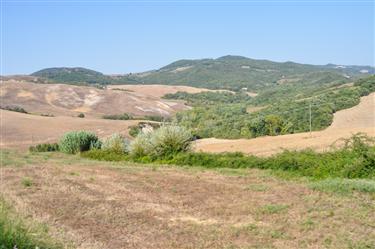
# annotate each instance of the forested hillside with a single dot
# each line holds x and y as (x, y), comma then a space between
(227, 72)
(283, 110)
(236, 72)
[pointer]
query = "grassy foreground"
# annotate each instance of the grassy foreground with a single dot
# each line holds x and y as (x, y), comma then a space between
(183, 207)
(17, 232)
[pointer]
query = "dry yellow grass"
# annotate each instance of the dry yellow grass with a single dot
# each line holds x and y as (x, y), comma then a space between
(69, 100)
(20, 130)
(105, 205)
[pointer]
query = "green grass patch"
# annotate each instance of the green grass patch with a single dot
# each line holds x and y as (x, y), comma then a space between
(18, 233)
(344, 186)
(273, 208)
(27, 182)
(257, 188)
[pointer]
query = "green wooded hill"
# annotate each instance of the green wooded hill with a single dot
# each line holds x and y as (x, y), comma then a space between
(73, 75)
(235, 72)
(227, 72)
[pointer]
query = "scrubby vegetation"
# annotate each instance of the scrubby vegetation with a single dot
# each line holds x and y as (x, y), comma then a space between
(116, 143)
(166, 141)
(124, 116)
(81, 115)
(134, 130)
(210, 98)
(285, 110)
(78, 141)
(236, 72)
(45, 147)
(16, 233)
(170, 145)
(14, 109)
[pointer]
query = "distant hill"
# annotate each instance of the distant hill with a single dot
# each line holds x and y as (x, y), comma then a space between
(229, 72)
(238, 72)
(73, 75)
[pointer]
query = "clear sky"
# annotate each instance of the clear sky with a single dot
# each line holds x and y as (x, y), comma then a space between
(130, 36)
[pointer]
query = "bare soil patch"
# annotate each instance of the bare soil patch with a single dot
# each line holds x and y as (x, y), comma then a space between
(106, 205)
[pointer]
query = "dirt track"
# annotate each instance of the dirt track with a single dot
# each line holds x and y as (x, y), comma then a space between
(360, 118)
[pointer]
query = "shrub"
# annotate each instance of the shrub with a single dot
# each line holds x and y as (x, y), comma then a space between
(47, 115)
(123, 116)
(96, 145)
(141, 145)
(81, 115)
(170, 140)
(44, 147)
(77, 141)
(14, 109)
(116, 143)
(134, 130)
(165, 141)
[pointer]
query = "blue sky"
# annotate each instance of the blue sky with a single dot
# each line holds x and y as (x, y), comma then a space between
(121, 37)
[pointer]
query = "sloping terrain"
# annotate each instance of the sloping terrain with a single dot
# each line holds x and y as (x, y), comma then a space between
(159, 91)
(226, 72)
(20, 130)
(96, 205)
(69, 100)
(360, 118)
(235, 72)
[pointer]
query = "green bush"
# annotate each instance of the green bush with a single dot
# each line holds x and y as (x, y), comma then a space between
(44, 147)
(170, 140)
(81, 115)
(141, 145)
(165, 141)
(116, 143)
(124, 116)
(134, 130)
(77, 141)
(14, 109)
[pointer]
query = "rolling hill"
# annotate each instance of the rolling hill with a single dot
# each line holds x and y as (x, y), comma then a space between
(227, 72)
(73, 75)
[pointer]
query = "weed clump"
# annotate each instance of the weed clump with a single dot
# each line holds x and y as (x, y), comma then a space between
(46, 147)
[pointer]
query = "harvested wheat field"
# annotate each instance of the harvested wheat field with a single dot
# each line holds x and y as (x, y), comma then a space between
(360, 118)
(69, 100)
(19, 130)
(95, 205)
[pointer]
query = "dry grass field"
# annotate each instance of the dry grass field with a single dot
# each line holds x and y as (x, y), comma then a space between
(20, 130)
(360, 118)
(69, 100)
(94, 205)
